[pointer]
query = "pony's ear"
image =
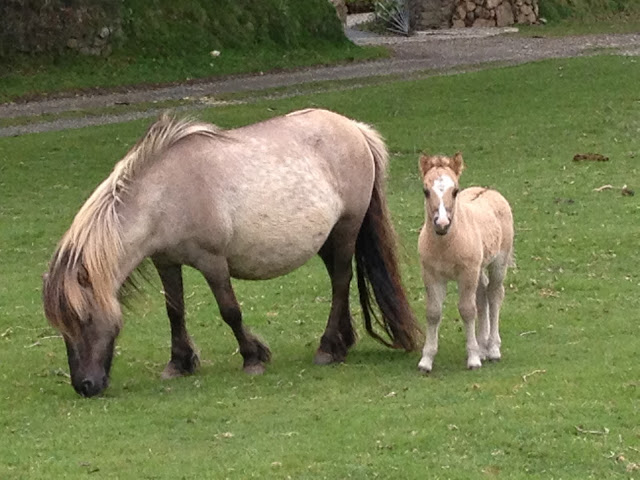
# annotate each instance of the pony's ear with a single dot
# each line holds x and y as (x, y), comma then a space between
(457, 165)
(424, 164)
(83, 277)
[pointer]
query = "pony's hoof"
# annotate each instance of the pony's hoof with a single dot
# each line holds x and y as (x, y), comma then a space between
(254, 369)
(323, 358)
(171, 371)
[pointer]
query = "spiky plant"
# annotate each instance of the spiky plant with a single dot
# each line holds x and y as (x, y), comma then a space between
(394, 15)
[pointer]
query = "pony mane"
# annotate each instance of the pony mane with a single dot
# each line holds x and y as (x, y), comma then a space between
(83, 273)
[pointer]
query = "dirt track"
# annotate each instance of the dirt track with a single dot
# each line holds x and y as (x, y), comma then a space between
(435, 53)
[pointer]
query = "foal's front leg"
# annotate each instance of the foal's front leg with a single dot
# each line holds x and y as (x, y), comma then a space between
(436, 293)
(184, 359)
(467, 288)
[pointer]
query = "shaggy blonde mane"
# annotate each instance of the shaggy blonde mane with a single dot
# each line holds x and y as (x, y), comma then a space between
(84, 270)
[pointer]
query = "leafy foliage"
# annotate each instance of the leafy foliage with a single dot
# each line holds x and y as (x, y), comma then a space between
(167, 27)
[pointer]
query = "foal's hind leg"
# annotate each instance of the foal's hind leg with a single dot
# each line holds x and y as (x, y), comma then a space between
(184, 359)
(339, 335)
(495, 295)
(482, 306)
(254, 353)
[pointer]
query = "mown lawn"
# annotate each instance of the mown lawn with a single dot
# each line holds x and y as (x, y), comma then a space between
(563, 403)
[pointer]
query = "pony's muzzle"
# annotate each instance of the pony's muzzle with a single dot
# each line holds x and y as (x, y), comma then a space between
(91, 387)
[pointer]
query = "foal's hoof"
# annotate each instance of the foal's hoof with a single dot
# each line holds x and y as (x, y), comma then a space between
(474, 365)
(254, 369)
(425, 366)
(493, 354)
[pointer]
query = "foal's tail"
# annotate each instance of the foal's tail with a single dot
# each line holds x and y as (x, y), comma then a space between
(376, 263)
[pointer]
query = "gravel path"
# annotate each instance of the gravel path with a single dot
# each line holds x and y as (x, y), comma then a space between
(437, 52)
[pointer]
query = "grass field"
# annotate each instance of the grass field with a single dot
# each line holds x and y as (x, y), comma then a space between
(563, 403)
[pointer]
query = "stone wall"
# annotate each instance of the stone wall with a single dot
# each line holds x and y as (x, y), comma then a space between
(341, 9)
(429, 14)
(53, 26)
(494, 13)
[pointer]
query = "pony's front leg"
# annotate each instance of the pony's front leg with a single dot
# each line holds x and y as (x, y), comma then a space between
(184, 359)
(467, 288)
(254, 353)
(436, 293)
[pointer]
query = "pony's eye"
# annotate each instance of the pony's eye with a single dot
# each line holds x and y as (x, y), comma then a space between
(426, 192)
(455, 193)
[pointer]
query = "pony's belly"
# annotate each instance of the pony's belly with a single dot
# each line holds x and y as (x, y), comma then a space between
(271, 247)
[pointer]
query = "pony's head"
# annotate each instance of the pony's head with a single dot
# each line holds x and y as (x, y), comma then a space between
(440, 176)
(89, 321)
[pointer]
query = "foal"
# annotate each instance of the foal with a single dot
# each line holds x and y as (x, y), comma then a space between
(465, 234)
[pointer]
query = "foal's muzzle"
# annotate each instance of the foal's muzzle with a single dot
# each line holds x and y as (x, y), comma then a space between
(441, 228)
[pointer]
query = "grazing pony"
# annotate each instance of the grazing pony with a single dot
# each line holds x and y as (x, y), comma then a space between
(465, 233)
(252, 203)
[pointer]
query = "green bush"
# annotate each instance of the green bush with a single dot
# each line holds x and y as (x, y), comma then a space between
(163, 28)
(360, 6)
(167, 27)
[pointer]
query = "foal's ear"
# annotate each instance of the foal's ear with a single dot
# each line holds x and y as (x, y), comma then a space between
(457, 165)
(424, 164)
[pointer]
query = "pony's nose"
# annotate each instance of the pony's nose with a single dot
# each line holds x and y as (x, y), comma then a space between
(88, 388)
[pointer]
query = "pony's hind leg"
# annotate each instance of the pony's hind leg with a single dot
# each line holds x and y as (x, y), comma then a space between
(254, 353)
(482, 306)
(184, 359)
(436, 293)
(495, 295)
(339, 335)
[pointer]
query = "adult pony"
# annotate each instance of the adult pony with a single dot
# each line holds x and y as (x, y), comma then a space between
(251, 203)
(464, 233)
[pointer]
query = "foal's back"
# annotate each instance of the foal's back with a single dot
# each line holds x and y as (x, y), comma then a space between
(490, 214)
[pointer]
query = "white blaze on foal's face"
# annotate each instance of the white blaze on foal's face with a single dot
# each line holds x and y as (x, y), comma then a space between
(441, 203)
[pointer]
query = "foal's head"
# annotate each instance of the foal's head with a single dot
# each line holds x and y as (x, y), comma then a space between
(440, 184)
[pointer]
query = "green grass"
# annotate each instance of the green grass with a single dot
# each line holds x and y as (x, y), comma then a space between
(590, 26)
(570, 318)
(33, 78)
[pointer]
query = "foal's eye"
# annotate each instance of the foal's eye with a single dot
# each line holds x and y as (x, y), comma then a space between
(455, 193)
(426, 192)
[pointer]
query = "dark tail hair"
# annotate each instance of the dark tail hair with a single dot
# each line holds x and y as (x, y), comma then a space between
(377, 268)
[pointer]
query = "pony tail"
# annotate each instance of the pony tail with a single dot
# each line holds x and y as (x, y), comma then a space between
(377, 269)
